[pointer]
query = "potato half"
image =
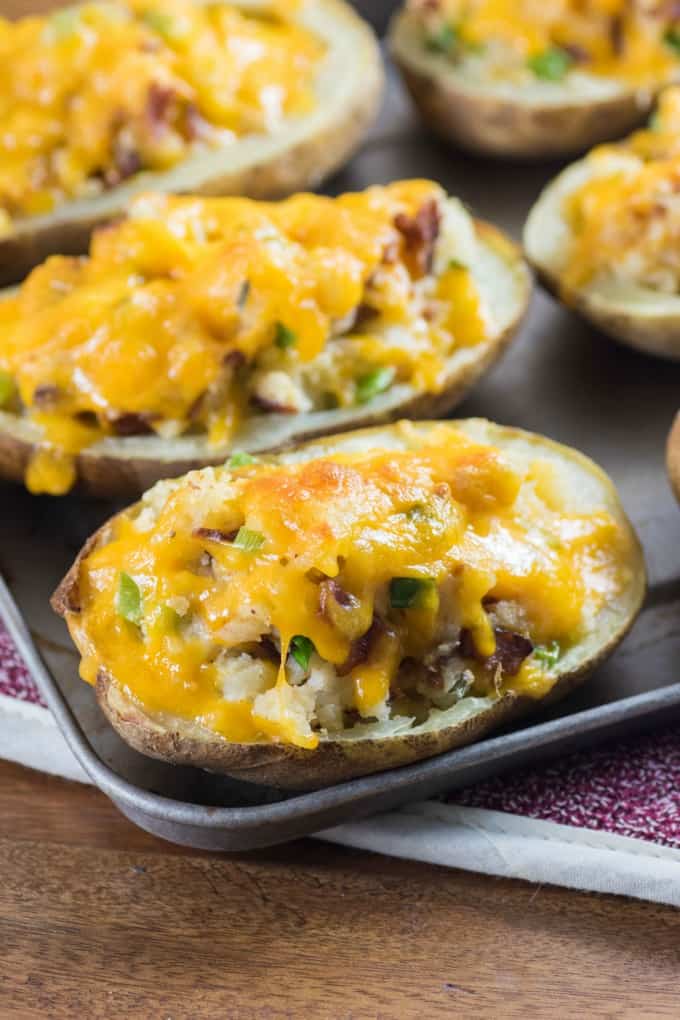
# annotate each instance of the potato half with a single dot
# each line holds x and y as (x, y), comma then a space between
(126, 466)
(297, 156)
(635, 315)
(673, 456)
(539, 120)
(373, 747)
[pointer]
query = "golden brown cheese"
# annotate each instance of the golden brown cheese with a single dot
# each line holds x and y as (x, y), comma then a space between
(633, 42)
(626, 220)
(230, 560)
(195, 312)
(91, 94)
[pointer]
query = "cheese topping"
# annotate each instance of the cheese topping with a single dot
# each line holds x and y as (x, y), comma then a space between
(625, 219)
(194, 313)
(284, 601)
(525, 40)
(92, 94)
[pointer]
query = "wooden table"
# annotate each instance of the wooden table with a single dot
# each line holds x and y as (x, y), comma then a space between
(97, 919)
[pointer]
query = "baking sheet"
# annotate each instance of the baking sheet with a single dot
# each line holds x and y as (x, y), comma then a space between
(560, 378)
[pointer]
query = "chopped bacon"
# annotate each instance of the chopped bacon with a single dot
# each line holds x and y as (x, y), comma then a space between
(511, 651)
(579, 54)
(130, 424)
(420, 233)
(616, 34)
(360, 649)
(46, 395)
(329, 589)
(215, 534)
(271, 406)
(158, 103)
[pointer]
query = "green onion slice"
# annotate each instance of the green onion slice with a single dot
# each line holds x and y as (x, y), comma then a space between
(129, 600)
(301, 648)
(548, 655)
(443, 41)
(672, 38)
(412, 593)
(551, 65)
(247, 540)
(284, 337)
(241, 459)
(370, 385)
(7, 388)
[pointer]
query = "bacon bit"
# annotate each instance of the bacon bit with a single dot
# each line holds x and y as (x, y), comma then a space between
(234, 359)
(130, 423)
(511, 651)
(364, 314)
(46, 395)
(330, 589)
(271, 405)
(158, 103)
(579, 54)
(391, 252)
(215, 534)
(616, 34)
(420, 233)
(360, 649)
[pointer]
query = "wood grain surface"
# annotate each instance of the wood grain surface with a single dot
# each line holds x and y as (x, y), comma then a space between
(97, 919)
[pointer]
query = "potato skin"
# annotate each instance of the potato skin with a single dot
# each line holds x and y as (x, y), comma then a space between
(673, 456)
(182, 742)
(298, 167)
(124, 476)
(651, 328)
(500, 128)
(490, 124)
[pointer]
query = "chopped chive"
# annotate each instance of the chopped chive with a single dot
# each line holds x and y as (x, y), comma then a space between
(7, 388)
(672, 38)
(64, 23)
(302, 649)
(240, 459)
(456, 264)
(159, 21)
(654, 122)
(548, 655)
(412, 592)
(551, 65)
(129, 601)
(247, 540)
(444, 40)
(370, 385)
(284, 337)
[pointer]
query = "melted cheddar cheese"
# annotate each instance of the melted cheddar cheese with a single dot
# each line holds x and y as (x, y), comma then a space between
(628, 41)
(624, 219)
(92, 94)
(332, 582)
(194, 313)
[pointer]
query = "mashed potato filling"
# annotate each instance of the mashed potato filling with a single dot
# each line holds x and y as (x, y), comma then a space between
(293, 600)
(94, 93)
(194, 313)
(522, 41)
(624, 221)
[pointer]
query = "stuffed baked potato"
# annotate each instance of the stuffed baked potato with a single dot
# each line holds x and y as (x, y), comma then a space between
(355, 604)
(604, 235)
(112, 97)
(197, 326)
(525, 79)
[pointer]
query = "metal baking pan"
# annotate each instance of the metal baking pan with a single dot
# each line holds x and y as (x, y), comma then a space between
(560, 378)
